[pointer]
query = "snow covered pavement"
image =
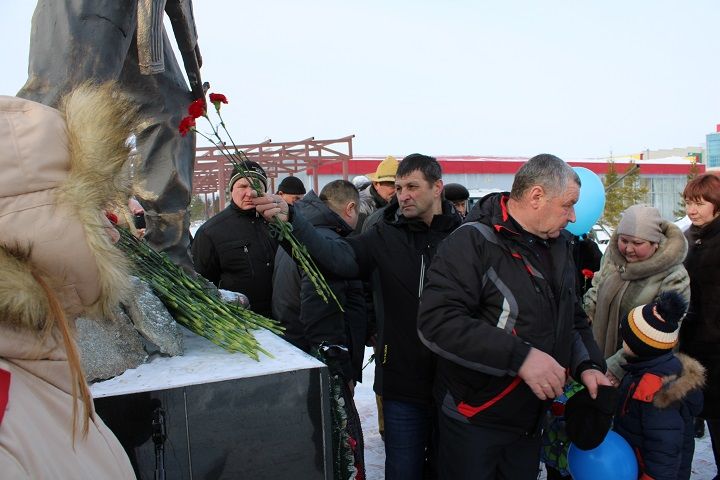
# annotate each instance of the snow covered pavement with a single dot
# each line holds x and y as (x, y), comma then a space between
(703, 462)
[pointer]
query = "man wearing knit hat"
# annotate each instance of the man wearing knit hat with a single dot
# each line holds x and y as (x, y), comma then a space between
(234, 249)
(661, 392)
(291, 189)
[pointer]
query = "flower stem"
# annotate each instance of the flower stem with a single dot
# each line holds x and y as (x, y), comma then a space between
(191, 303)
(280, 228)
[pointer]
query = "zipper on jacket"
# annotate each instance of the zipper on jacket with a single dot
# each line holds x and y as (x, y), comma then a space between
(422, 274)
(263, 238)
(528, 269)
(549, 294)
(561, 291)
(626, 402)
(247, 255)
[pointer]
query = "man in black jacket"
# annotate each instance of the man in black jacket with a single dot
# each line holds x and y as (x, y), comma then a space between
(399, 248)
(308, 320)
(321, 328)
(504, 320)
(234, 249)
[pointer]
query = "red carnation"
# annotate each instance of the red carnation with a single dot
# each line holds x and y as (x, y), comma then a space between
(112, 217)
(187, 124)
(587, 273)
(197, 108)
(218, 98)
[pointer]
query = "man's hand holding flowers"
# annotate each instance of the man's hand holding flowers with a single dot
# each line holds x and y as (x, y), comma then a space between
(270, 206)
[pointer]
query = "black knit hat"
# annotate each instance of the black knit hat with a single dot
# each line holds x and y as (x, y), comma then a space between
(651, 330)
(587, 421)
(248, 169)
(455, 192)
(292, 186)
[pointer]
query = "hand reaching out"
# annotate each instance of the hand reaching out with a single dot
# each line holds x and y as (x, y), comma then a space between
(591, 379)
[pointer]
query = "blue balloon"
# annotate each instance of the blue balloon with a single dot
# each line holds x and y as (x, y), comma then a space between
(591, 203)
(612, 459)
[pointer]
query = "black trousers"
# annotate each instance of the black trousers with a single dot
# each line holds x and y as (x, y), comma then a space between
(470, 452)
(553, 474)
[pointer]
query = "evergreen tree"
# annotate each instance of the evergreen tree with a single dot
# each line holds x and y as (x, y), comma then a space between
(620, 194)
(692, 173)
(198, 208)
(633, 190)
(613, 197)
(214, 207)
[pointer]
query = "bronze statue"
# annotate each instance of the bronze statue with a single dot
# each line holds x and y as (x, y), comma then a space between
(124, 40)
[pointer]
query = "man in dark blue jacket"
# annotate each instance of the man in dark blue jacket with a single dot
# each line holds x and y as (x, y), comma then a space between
(504, 320)
(399, 248)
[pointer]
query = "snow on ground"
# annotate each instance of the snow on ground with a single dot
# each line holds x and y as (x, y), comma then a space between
(703, 462)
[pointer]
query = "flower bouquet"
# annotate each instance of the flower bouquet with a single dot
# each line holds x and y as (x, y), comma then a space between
(279, 228)
(196, 305)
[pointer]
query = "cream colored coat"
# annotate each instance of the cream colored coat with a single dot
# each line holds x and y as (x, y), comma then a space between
(36, 431)
(620, 286)
(58, 171)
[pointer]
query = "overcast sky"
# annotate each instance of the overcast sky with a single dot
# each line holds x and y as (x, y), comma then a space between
(577, 78)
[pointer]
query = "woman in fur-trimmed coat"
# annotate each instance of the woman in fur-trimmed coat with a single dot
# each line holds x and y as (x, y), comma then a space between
(621, 285)
(58, 172)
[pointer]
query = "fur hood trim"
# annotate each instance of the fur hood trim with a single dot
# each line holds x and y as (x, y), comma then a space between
(100, 121)
(22, 299)
(59, 172)
(675, 387)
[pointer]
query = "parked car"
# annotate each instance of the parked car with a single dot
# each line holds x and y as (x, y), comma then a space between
(683, 223)
(601, 235)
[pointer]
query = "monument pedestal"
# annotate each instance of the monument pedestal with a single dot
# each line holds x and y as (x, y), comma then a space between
(210, 414)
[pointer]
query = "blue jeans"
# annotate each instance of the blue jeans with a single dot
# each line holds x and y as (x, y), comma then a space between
(408, 433)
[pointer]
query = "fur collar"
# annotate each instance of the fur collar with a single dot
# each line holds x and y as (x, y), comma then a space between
(677, 387)
(671, 252)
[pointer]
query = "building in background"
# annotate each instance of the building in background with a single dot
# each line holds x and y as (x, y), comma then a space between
(663, 172)
(713, 149)
(665, 178)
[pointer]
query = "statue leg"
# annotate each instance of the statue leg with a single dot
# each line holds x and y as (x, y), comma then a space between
(164, 172)
(76, 40)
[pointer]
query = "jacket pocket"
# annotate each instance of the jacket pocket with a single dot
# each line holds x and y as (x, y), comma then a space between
(486, 399)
